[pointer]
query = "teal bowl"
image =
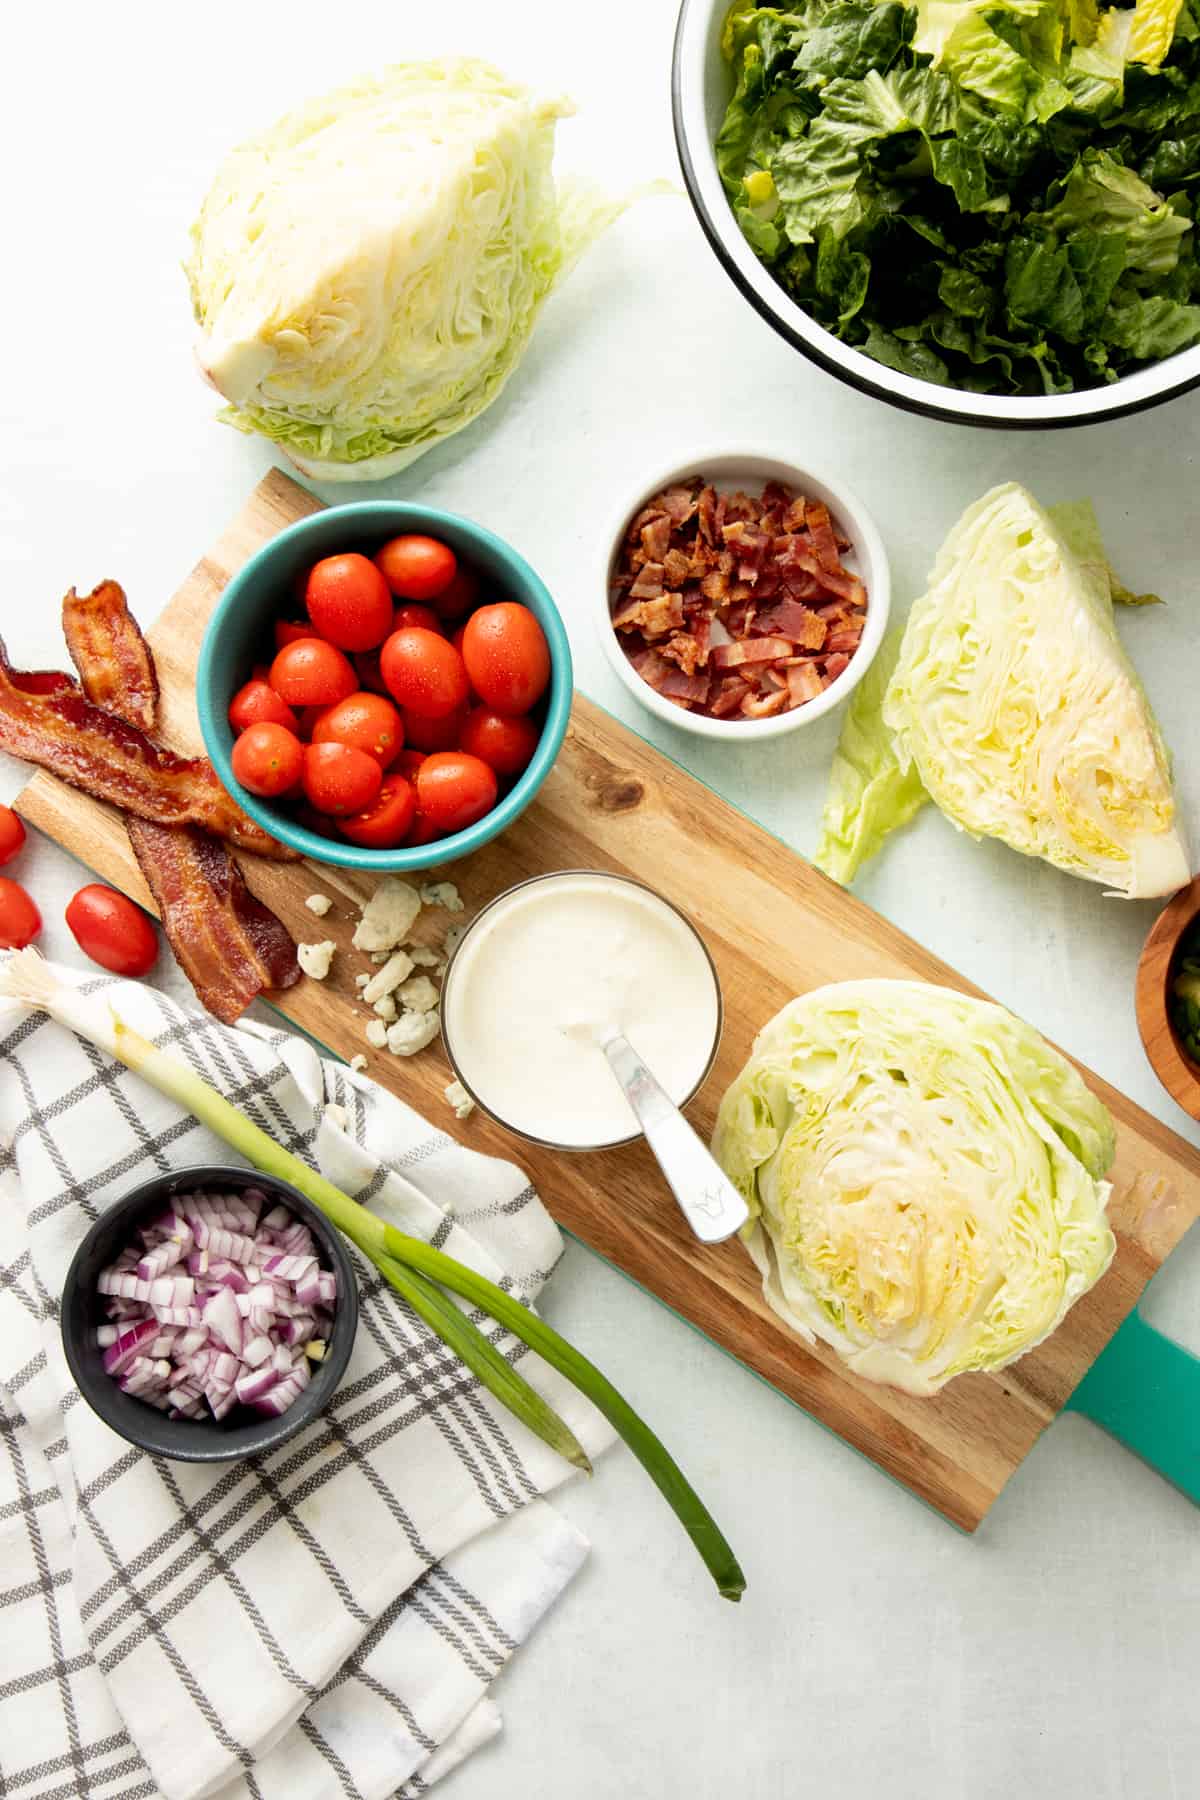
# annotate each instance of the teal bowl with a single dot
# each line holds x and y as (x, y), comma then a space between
(239, 635)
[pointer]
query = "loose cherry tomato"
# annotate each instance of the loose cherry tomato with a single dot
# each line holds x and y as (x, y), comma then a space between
(421, 733)
(12, 834)
(267, 760)
(415, 567)
(311, 672)
(20, 920)
(413, 613)
(367, 721)
(507, 657)
(504, 744)
(349, 602)
(454, 790)
(112, 930)
(384, 825)
(290, 631)
(339, 779)
(461, 595)
(424, 672)
(258, 704)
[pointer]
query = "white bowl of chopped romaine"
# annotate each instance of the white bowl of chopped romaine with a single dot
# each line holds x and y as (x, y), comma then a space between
(743, 595)
(937, 211)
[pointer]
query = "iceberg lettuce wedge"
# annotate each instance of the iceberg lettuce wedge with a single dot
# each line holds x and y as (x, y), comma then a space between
(925, 1177)
(1013, 706)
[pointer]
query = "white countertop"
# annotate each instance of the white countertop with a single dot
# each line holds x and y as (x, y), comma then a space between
(877, 1651)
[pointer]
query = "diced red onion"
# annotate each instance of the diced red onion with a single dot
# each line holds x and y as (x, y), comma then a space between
(221, 1303)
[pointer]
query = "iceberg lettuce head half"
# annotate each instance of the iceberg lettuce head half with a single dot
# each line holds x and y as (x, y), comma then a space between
(925, 1177)
(366, 274)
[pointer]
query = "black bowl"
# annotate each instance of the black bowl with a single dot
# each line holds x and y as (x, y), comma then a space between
(205, 1439)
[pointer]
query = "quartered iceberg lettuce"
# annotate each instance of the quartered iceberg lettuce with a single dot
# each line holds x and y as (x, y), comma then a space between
(1010, 702)
(366, 274)
(925, 1176)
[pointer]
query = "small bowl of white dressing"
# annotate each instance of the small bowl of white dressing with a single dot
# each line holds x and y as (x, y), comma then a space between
(544, 971)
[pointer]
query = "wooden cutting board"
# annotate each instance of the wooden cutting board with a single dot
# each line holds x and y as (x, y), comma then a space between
(776, 928)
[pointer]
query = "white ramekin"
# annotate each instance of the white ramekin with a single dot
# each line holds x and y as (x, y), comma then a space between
(750, 470)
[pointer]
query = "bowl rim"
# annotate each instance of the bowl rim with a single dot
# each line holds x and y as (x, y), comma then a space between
(867, 542)
(1150, 386)
(558, 875)
(270, 1433)
(1176, 1071)
(396, 515)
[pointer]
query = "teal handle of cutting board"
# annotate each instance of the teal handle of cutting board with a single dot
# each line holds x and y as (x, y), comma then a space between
(1145, 1390)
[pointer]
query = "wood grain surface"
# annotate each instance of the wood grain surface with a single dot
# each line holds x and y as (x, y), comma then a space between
(775, 928)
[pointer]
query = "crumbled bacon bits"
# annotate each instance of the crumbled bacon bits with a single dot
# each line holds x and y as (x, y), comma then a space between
(734, 607)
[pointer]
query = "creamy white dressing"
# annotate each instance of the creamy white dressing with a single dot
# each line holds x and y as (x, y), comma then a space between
(544, 972)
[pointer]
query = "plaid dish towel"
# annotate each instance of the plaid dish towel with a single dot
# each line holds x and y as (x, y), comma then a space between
(321, 1622)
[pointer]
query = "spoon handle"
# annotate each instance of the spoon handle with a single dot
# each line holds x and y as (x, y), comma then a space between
(707, 1198)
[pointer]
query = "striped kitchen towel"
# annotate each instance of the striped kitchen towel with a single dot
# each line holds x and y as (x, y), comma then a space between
(321, 1622)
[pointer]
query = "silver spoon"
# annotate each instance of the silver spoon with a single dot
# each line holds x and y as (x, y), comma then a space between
(707, 1198)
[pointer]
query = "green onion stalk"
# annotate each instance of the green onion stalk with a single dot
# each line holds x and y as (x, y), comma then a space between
(422, 1276)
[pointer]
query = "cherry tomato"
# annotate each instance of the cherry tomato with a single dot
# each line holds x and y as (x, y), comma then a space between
(407, 764)
(258, 704)
(12, 834)
(424, 672)
(413, 613)
(504, 744)
(20, 920)
(415, 567)
(421, 733)
(349, 602)
(311, 672)
(308, 717)
(454, 790)
(290, 631)
(423, 831)
(461, 595)
(367, 721)
(339, 779)
(507, 657)
(384, 825)
(370, 676)
(267, 760)
(456, 637)
(112, 930)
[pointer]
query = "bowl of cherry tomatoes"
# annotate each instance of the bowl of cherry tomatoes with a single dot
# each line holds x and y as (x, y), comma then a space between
(384, 686)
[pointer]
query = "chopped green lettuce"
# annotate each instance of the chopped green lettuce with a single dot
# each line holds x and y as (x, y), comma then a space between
(1045, 153)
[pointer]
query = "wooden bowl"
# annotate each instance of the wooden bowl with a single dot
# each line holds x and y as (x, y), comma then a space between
(1152, 999)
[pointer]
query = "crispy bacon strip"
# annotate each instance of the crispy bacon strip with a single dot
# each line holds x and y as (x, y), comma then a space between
(113, 658)
(229, 945)
(62, 731)
(226, 942)
(43, 681)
